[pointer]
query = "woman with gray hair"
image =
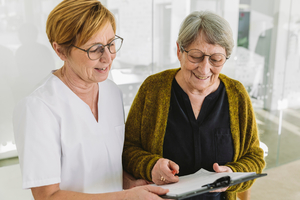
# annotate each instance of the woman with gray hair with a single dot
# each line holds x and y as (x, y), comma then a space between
(194, 117)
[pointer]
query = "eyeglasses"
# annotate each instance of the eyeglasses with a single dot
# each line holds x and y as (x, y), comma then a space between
(197, 56)
(96, 51)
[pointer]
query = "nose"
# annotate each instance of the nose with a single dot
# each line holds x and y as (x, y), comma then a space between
(106, 57)
(204, 66)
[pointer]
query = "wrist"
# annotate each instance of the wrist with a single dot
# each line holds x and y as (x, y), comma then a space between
(125, 194)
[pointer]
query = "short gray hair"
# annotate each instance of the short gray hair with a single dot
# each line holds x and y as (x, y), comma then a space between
(215, 28)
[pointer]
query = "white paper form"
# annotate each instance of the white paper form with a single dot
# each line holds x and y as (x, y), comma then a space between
(194, 182)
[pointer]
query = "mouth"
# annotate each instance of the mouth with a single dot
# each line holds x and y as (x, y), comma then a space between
(201, 77)
(101, 69)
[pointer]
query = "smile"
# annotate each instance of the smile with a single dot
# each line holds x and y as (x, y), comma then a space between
(102, 69)
(200, 77)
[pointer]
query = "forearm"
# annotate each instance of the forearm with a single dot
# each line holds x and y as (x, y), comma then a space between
(144, 133)
(139, 162)
(253, 161)
(53, 192)
(42, 193)
(136, 159)
(249, 157)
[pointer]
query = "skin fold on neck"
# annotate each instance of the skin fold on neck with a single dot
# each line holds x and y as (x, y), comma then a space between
(87, 92)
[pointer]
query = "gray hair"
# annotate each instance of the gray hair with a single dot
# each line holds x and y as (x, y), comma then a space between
(215, 28)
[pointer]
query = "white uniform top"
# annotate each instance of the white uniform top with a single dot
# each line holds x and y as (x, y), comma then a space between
(59, 140)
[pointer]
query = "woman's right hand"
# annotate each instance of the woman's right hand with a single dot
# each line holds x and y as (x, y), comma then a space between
(52, 192)
(164, 172)
(147, 192)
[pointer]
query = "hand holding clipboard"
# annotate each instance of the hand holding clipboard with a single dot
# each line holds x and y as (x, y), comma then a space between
(204, 181)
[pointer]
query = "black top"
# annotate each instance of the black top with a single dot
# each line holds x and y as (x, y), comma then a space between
(198, 143)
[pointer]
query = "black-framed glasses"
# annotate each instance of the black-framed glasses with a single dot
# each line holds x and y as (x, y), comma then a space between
(96, 51)
(197, 56)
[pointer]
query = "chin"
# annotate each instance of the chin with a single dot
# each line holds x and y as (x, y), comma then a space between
(102, 78)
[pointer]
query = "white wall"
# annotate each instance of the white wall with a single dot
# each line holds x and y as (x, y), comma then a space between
(26, 57)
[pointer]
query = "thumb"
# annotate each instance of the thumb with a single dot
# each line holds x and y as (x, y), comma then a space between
(216, 167)
(220, 169)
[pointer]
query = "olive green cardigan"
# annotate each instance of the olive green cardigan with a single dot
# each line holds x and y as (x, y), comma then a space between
(147, 120)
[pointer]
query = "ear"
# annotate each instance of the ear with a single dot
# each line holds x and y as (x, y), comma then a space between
(59, 51)
(179, 53)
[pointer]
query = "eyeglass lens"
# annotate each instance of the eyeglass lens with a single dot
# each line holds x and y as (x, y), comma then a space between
(196, 56)
(97, 50)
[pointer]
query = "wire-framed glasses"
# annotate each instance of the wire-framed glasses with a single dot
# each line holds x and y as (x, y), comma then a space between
(197, 56)
(96, 51)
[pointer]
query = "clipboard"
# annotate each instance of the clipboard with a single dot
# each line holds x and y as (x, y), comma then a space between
(218, 183)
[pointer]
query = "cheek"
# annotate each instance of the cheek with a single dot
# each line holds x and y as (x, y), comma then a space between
(216, 71)
(187, 65)
(81, 63)
(111, 59)
(113, 56)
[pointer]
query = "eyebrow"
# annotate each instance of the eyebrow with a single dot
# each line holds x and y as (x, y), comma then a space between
(111, 39)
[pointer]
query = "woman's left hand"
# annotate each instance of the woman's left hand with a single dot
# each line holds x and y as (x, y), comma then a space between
(221, 169)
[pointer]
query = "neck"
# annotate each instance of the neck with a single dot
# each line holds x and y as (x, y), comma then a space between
(86, 91)
(74, 82)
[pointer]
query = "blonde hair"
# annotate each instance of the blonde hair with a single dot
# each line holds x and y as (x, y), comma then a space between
(215, 29)
(76, 21)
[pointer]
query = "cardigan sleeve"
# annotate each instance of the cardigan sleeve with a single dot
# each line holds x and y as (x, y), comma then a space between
(137, 158)
(146, 125)
(249, 157)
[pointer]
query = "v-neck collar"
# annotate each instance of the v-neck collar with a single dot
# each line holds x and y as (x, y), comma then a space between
(205, 103)
(73, 95)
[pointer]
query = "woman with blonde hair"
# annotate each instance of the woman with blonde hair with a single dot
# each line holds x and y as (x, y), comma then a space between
(69, 132)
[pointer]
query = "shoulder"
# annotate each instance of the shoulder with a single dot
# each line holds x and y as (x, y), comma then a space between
(35, 109)
(162, 76)
(47, 99)
(161, 79)
(234, 87)
(44, 92)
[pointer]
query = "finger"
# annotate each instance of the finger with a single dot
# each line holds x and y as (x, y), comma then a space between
(174, 167)
(165, 173)
(151, 196)
(220, 190)
(169, 177)
(149, 182)
(167, 180)
(163, 180)
(157, 190)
